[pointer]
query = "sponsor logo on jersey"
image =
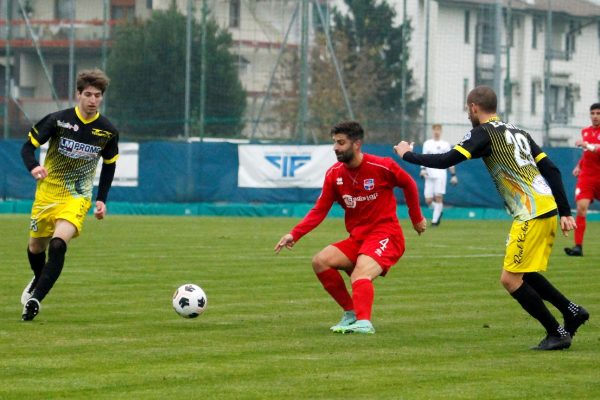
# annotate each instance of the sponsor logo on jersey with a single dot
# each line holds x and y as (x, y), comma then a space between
(351, 201)
(288, 164)
(73, 149)
(369, 184)
(339, 181)
(540, 185)
(465, 138)
(100, 132)
(67, 125)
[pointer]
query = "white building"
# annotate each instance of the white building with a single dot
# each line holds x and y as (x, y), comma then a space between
(462, 55)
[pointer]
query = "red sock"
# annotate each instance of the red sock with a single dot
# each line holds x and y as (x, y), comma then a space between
(362, 295)
(336, 287)
(580, 221)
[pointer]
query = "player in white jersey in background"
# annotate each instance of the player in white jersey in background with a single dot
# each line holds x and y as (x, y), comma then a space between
(435, 179)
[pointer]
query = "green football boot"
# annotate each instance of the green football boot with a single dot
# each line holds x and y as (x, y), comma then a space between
(348, 318)
(360, 326)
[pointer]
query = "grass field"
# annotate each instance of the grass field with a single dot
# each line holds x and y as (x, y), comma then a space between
(445, 327)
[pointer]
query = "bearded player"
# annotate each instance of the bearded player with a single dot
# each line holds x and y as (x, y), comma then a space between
(363, 184)
(532, 189)
(587, 172)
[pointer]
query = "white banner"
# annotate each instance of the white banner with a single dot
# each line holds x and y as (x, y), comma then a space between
(283, 166)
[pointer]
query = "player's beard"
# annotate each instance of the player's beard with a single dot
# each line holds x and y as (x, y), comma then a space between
(474, 120)
(345, 156)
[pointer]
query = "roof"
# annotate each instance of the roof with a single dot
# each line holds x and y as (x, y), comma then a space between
(577, 8)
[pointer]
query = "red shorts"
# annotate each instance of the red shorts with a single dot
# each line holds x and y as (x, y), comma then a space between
(588, 189)
(385, 248)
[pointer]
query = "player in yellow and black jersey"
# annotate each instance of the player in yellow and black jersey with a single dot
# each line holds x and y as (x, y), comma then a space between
(78, 137)
(532, 189)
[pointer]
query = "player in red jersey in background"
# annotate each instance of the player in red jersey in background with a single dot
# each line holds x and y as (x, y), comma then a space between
(363, 184)
(587, 172)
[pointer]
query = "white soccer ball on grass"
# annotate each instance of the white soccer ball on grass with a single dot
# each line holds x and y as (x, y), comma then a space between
(189, 300)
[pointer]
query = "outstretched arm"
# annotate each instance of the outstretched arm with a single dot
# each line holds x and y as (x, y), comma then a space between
(442, 161)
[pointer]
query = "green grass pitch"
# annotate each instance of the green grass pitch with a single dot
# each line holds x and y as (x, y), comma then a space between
(445, 327)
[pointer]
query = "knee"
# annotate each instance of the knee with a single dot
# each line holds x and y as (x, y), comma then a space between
(510, 282)
(57, 245)
(36, 247)
(319, 263)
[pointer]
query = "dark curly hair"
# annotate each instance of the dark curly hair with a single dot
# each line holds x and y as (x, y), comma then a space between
(350, 128)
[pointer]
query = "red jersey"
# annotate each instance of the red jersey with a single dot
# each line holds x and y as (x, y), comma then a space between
(366, 194)
(590, 161)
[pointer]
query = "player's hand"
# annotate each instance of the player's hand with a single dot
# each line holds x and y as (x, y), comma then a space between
(567, 224)
(286, 241)
(420, 226)
(423, 173)
(576, 170)
(403, 147)
(581, 143)
(39, 173)
(454, 180)
(100, 210)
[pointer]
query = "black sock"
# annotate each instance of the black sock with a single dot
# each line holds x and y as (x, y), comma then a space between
(52, 269)
(548, 292)
(531, 302)
(36, 262)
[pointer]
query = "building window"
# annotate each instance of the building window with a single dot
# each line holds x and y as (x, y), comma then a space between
(465, 90)
(60, 80)
(149, 4)
(234, 13)
(574, 29)
(488, 39)
(123, 9)
(534, 89)
(122, 13)
(535, 29)
(559, 104)
(598, 94)
(62, 9)
(467, 26)
(243, 65)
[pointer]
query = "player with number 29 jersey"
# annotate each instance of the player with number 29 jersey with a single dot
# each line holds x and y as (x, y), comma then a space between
(511, 157)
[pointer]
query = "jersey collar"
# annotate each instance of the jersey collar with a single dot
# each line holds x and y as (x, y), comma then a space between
(492, 119)
(86, 121)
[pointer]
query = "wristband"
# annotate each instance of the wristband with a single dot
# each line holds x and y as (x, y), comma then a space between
(590, 147)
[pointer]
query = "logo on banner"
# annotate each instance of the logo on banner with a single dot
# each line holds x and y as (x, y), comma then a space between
(369, 184)
(288, 164)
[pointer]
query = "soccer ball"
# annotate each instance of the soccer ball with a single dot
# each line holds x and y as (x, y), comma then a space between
(189, 300)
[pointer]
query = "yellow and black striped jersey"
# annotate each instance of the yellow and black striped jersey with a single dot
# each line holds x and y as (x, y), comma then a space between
(75, 146)
(511, 157)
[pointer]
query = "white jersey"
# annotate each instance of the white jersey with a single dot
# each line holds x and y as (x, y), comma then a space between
(436, 147)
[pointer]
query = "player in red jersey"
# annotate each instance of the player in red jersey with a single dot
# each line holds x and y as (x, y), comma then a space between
(587, 172)
(363, 184)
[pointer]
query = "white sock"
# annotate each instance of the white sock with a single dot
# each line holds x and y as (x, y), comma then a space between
(437, 211)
